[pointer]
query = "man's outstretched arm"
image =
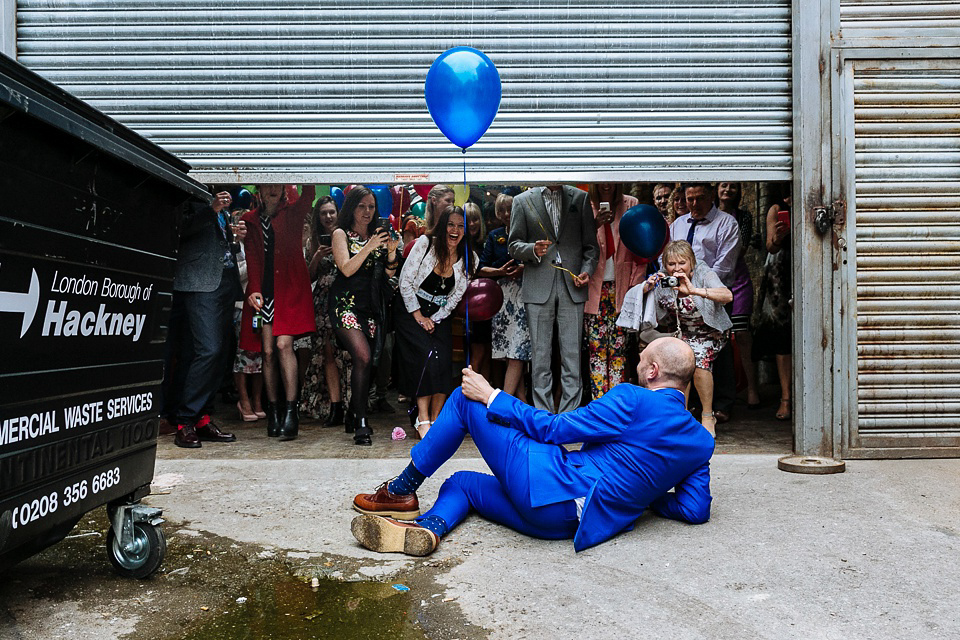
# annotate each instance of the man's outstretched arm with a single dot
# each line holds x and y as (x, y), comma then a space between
(600, 421)
(690, 501)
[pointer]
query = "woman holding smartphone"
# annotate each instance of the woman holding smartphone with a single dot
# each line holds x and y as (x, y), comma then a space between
(774, 327)
(617, 270)
(365, 255)
(328, 368)
(278, 293)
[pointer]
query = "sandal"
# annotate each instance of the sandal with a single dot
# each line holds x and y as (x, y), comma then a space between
(422, 434)
(783, 413)
(712, 427)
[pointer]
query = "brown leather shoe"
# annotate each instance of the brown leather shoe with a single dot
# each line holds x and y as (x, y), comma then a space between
(722, 417)
(210, 432)
(388, 535)
(187, 437)
(166, 428)
(384, 503)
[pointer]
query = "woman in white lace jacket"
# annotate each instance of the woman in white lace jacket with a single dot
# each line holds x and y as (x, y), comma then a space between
(432, 282)
(694, 307)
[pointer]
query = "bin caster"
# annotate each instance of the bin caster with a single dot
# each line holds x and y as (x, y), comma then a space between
(135, 542)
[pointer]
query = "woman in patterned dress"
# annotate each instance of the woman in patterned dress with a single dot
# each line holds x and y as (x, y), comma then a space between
(510, 337)
(617, 271)
(328, 366)
(365, 258)
(695, 308)
(279, 289)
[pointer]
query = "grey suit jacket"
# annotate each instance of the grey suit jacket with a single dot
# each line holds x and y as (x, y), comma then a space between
(201, 251)
(575, 243)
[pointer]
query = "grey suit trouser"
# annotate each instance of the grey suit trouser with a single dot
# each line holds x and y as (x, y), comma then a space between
(561, 311)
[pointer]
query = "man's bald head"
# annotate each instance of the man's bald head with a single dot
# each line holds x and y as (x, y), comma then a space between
(666, 362)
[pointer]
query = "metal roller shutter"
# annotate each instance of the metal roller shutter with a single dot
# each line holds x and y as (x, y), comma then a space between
(907, 185)
(332, 92)
(898, 19)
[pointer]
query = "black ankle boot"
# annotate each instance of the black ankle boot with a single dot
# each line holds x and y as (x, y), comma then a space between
(273, 419)
(336, 415)
(290, 425)
(363, 433)
(349, 421)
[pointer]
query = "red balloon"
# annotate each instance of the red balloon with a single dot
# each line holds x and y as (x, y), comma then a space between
(423, 190)
(406, 249)
(347, 189)
(401, 200)
(483, 298)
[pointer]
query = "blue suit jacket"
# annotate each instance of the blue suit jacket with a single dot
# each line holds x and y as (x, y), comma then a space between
(637, 445)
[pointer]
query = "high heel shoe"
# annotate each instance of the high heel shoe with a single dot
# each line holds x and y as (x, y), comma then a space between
(422, 434)
(362, 433)
(246, 417)
(290, 423)
(260, 414)
(273, 420)
(709, 422)
(336, 415)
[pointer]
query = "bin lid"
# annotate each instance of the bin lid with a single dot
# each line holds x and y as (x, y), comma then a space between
(25, 91)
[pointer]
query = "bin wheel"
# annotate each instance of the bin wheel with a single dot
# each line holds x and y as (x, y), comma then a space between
(145, 554)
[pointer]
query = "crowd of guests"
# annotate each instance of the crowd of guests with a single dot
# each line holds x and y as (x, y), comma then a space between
(338, 304)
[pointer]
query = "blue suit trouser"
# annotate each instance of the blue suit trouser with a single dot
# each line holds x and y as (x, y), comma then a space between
(503, 497)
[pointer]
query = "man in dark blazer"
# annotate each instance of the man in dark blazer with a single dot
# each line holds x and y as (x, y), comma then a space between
(638, 443)
(206, 284)
(552, 232)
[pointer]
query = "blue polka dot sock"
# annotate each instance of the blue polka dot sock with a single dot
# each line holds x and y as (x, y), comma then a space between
(407, 482)
(434, 523)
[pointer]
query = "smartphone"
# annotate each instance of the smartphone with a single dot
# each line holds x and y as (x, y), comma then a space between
(325, 240)
(784, 216)
(604, 206)
(384, 225)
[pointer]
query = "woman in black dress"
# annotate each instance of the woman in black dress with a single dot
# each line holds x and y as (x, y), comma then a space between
(432, 282)
(365, 257)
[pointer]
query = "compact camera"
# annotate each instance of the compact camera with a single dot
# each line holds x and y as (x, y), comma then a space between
(668, 281)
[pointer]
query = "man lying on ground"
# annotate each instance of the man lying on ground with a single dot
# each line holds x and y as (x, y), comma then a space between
(638, 443)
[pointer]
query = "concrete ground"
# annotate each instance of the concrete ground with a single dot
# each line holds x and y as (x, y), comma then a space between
(870, 553)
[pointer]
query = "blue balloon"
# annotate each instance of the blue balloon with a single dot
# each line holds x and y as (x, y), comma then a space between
(384, 199)
(463, 94)
(643, 230)
(337, 194)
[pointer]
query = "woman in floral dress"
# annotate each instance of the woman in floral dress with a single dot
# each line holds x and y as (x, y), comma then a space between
(510, 337)
(695, 308)
(365, 257)
(328, 367)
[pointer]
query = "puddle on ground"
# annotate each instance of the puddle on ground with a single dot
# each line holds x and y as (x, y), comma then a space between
(284, 607)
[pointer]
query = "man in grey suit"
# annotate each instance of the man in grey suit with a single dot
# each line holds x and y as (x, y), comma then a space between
(553, 233)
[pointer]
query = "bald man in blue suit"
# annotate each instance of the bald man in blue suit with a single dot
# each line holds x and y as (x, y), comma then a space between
(641, 449)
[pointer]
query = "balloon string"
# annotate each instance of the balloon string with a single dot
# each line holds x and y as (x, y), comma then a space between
(466, 298)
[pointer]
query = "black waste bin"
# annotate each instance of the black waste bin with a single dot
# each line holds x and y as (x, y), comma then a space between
(88, 213)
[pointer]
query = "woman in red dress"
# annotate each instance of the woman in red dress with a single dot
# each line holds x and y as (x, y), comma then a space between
(278, 290)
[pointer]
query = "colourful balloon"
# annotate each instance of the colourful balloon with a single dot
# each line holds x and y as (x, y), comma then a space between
(483, 299)
(419, 209)
(643, 230)
(337, 194)
(423, 190)
(406, 249)
(463, 94)
(384, 199)
(321, 190)
(461, 193)
(401, 200)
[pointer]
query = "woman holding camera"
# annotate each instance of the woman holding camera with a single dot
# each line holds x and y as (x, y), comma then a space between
(433, 280)
(690, 297)
(328, 367)
(278, 292)
(365, 255)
